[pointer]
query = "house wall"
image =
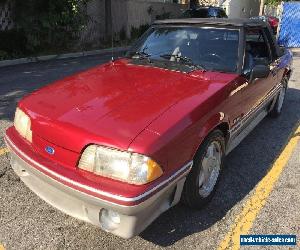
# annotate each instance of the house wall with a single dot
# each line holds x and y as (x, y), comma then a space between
(241, 8)
(95, 29)
(6, 21)
(145, 12)
(119, 16)
(126, 14)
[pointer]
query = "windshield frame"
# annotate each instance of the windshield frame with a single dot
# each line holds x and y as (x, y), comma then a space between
(240, 58)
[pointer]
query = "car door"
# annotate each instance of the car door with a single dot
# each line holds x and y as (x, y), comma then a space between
(257, 52)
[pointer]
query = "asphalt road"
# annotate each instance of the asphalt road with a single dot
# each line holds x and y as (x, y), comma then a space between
(27, 222)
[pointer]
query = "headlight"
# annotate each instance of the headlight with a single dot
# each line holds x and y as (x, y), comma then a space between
(22, 124)
(124, 166)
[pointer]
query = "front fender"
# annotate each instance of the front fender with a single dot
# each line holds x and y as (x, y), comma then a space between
(217, 121)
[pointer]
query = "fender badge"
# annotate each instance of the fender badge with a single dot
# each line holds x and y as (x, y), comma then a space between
(50, 150)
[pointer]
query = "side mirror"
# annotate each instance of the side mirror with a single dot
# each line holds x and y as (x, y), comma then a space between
(259, 71)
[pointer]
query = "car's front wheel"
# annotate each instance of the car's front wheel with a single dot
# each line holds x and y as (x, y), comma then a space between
(201, 182)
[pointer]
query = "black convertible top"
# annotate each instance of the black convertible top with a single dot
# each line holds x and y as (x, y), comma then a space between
(238, 22)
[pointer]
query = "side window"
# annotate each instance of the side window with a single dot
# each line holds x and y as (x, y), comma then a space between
(257, 47)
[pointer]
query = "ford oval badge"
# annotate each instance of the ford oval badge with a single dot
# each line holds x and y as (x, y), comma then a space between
(50, 150)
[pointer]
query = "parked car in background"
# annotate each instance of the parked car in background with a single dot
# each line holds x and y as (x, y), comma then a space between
(119, 144)
(205, 12)
(273, 21)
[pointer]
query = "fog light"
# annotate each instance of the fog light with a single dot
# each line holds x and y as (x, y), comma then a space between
(109, 220)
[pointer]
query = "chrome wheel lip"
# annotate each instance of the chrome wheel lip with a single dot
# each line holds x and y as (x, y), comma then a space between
(210, 169)
(281, 99)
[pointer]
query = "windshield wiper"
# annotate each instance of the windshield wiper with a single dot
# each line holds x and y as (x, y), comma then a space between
(183, 59)
(141, 55)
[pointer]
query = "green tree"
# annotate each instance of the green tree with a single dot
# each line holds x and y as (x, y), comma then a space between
(272, 2)
(49, 24)
(277, 2)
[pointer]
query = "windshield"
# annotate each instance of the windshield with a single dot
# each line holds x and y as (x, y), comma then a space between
(213, 48)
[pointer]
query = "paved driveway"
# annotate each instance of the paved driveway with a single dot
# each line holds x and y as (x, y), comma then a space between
(27, 222)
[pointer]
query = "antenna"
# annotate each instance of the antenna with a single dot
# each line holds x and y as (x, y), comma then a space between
(112, 47)
(112, 36)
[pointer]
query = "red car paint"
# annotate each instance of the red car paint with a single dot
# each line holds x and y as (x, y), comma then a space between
(273, 21)
(148, 110)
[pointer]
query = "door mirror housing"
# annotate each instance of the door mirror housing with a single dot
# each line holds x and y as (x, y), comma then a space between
(259, 71)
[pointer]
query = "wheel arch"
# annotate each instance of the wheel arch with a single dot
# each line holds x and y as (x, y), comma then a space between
(221, 124)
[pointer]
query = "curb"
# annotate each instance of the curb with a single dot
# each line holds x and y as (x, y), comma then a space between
(60, 56)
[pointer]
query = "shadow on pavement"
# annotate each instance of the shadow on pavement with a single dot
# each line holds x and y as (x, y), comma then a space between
(244, 169)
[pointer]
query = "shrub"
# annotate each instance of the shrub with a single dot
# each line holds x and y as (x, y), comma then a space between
(44, 25)
(12, 44)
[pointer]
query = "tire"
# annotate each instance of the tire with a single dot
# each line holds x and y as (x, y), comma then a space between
(277, 109)
(198, 190)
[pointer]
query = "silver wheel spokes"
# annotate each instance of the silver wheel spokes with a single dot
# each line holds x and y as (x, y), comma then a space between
(210, 169)
(281, 99)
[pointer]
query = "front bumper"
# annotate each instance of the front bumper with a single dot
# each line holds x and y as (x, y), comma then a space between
(133, 219)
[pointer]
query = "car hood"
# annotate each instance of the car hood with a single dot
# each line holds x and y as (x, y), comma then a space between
(109, 104)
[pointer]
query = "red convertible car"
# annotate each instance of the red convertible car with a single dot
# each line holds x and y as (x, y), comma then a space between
(119, 144)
